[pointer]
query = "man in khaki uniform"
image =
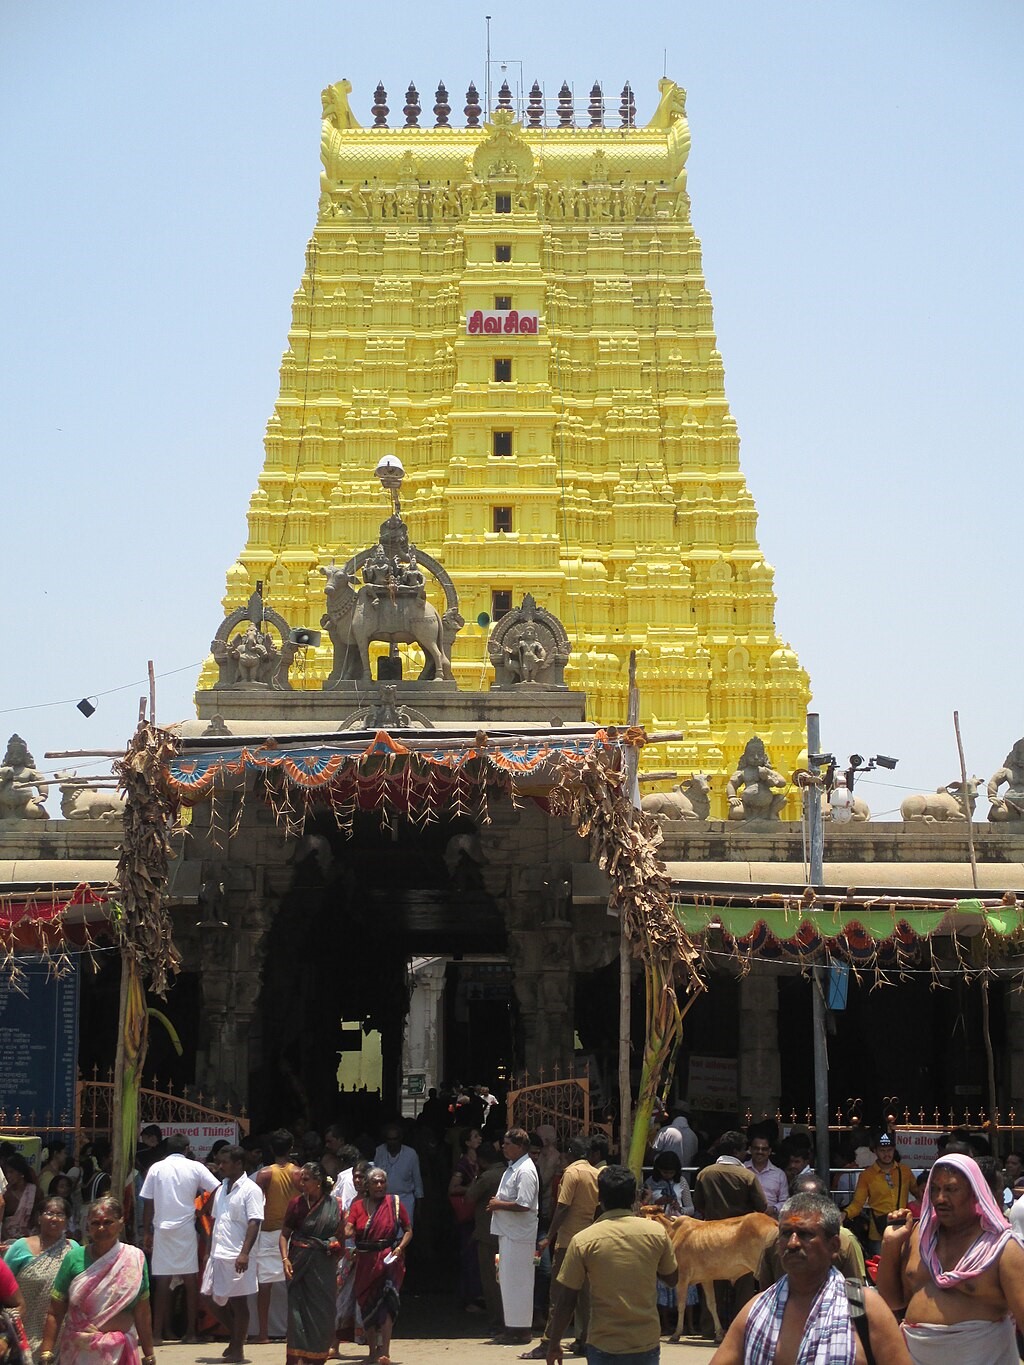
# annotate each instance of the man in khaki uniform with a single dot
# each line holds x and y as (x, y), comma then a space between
(574, 1211)
(620, 1258)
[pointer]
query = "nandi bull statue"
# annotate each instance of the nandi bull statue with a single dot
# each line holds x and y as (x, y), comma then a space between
(690, 800)
(390, 604)
(946, 803)
(81, 801)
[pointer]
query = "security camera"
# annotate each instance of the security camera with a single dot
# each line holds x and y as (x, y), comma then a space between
(821, 760)
(306, 639)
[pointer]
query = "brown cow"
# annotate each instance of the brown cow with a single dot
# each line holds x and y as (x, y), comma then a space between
(721, 1250)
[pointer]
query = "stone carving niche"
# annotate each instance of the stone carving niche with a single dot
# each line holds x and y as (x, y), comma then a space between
(1009, 805)
(251, 658)
(529, 647)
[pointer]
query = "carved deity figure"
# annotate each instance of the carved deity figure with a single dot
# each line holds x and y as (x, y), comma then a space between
(752, 790)
(391, 606)
(526, 655)
(250, 658)
(377, 569)
(529, 645)
(250, 650)
(410, 576)
(1009, 806)
(23, 789)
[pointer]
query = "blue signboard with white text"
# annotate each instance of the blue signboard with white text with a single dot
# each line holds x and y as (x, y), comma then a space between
(39, 1045)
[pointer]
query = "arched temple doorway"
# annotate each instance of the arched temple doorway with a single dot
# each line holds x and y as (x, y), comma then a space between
(360, 908)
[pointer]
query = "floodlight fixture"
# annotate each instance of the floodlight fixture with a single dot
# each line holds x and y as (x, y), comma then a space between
(87, 706)
(884, 761)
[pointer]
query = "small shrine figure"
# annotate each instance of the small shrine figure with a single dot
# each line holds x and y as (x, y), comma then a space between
(529, 646)
(250, 651)
(526, 655)
(410, 576)
(377, 570)
(23, 789)
(752, 789)
(251, 658)
(1009, 806)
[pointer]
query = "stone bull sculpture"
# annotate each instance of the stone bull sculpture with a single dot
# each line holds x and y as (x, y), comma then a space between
(689, 801)
(931, 808)
(355, 618)
(79, 801)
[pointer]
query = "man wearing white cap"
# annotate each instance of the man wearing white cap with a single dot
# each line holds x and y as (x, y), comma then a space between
(881, 1189)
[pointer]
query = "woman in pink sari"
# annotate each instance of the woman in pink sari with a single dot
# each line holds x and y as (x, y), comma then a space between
(19, 1198)
(101, 1298)
(380, 1226)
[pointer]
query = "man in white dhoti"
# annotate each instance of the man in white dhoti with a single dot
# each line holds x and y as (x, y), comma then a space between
(514, 1215)
(960, 1274)
(168, 1197)
(230, 1275)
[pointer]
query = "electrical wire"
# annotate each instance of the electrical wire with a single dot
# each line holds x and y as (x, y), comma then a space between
(109, 692)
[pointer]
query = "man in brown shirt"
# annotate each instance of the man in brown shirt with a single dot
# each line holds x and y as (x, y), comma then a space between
(574, 1211)
(481, 1191)
(728, 1189)
(621, 1258)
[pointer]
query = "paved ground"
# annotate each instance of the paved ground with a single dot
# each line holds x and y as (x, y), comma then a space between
(429, 1333)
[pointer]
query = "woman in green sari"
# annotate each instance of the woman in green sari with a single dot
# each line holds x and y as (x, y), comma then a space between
(34, 1262)
(310, 1246)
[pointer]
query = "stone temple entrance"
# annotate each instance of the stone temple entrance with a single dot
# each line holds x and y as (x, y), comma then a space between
(358, 911)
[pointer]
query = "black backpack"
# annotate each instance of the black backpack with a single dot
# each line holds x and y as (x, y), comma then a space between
(859, 1316)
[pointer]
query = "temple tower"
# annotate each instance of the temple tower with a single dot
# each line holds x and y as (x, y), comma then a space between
(592, 461)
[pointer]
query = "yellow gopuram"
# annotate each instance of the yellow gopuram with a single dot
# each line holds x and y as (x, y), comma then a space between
(592, 461)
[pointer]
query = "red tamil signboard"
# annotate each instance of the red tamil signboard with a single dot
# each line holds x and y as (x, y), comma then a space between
(507, 322)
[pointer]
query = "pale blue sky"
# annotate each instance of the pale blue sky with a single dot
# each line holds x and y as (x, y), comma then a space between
(856, 183)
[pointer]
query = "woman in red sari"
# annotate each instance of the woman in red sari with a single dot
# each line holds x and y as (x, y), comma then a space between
(380, 1227)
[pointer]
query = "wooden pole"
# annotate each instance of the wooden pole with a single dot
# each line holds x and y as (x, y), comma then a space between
(625, 955)
(84, 753)
(986, 1015)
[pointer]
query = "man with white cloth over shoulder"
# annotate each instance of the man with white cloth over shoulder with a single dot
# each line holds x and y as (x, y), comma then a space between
(812, 1316)
(514, 1216)
(168, 1197)
(959, 1273)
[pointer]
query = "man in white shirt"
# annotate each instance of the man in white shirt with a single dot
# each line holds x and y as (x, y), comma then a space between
(401, 1165)
(230, 1274)
(514, 1215)
(168, 1197)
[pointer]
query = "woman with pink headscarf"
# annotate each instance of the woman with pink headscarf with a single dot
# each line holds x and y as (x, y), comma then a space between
(958, 1273)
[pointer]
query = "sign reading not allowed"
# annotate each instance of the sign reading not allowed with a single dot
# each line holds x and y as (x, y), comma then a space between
(713, 1083)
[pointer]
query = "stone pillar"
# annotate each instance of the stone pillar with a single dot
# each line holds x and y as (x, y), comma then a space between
(230, 989)
(544, 984)
(760, 1068)
(1011, 1091)
(424, 1029)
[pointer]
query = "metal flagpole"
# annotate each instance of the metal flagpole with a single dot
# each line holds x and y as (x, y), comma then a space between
(819, 975)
